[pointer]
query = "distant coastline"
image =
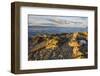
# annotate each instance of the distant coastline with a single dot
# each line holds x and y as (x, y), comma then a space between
(32, 30)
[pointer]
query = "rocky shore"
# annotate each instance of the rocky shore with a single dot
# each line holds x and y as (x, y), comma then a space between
(58, 46)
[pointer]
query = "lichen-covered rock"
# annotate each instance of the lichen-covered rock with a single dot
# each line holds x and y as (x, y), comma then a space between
(58, 46)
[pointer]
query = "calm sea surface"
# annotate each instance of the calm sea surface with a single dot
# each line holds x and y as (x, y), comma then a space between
(33, 30)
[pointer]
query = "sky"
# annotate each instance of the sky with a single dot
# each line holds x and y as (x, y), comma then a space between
(57, 21)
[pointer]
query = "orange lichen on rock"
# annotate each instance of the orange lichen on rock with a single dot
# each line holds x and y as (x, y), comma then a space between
(76, 53)
(75, 35)
(75, 45)
(52, 43)
(85, 35)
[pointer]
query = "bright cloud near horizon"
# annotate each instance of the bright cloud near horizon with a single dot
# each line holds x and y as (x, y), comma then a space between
(57, 21)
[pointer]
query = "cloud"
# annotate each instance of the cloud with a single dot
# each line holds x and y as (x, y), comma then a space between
(57, 21)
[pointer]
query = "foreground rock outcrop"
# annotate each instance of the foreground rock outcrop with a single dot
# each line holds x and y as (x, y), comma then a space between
(58, 46)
